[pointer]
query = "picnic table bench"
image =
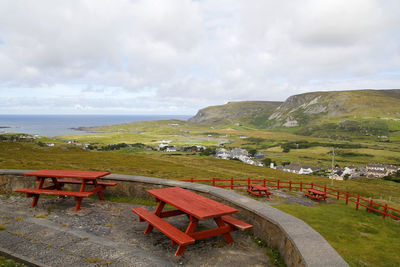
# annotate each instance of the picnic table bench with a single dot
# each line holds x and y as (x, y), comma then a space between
(83, 178)
(196, 208)
(315, 194)
(259, 190)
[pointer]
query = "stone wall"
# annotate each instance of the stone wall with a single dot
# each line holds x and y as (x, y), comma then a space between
(297, 242)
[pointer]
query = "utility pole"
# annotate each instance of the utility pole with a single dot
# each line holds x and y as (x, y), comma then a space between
(333, 163)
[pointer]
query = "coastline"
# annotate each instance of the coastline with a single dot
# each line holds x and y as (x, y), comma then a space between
(55, 125)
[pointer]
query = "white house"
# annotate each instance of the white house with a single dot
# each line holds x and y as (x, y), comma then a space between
(170, 149)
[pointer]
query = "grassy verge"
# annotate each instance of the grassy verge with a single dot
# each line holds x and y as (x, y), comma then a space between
(361, 238)
(4, 262)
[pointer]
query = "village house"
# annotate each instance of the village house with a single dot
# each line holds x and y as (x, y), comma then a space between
(163, 144)
(349, 170)
(308, 169)
(392, 168)
(337, 175)
(376, 173)
(299, 169)
(375, 167)
(170, 149)
(259, 156)
(237, 152)
(378, 170)
(292, 167)
(222, 153)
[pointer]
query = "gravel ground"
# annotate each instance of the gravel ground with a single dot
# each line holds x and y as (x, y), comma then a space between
(109, 234)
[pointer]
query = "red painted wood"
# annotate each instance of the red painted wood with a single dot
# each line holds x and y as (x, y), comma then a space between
(171, 213)
(227, 236)
(53, 192)
(191, 203)
(87, 182)
(173, 233)
(259, 187)
(67, 174)
(212, 232)
(318, 192)
(314, 196)
(236, 223)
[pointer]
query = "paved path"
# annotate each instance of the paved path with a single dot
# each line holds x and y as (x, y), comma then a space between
(105, 233)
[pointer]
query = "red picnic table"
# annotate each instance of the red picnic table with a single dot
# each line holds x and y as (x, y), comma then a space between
(197, 208)
(258, 190)
(316, 194)
(82, 178)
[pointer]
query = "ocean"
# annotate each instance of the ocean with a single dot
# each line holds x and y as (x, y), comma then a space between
(53, 125)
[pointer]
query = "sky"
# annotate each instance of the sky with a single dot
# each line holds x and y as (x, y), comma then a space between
(177, 56)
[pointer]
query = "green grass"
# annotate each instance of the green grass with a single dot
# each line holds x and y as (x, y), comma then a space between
(357, 236)
(4, 262)
(163, 165)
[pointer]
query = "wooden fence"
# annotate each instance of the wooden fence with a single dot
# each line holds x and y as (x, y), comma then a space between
(369, 204)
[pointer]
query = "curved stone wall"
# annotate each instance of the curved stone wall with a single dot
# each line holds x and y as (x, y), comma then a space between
(297, 242)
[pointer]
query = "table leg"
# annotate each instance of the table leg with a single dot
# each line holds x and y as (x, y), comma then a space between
(36, 197)
(78, 201)
(227, 236)
(99, 194)
(157, 212)
(190, 230)
(56, 183)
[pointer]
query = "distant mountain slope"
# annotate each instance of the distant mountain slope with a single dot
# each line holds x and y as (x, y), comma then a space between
(335, 106)
(255, 112)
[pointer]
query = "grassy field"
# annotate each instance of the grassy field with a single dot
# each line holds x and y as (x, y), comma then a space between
(361, 238)
(183, 133)
(171, 166)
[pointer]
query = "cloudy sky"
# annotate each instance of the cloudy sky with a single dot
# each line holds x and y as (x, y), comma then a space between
(176, 56)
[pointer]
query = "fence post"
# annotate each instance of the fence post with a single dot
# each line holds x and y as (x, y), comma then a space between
(301, 186)
(231, 183)
(384, 212)
(358, 200)
(312, 185)
(248, 183)
(347, 198)
(213, 181)
(264, 182)
(277, 187)
(290, 186)
(370, 205)
(338, 195)
(325, 188)
(191, 180)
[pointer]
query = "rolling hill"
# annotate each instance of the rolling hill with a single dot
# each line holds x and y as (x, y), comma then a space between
(254, 112)
(318, 107)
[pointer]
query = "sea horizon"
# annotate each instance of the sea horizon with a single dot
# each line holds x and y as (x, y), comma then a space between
(51, 125)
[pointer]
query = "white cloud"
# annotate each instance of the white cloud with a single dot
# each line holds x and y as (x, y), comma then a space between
(179, 55)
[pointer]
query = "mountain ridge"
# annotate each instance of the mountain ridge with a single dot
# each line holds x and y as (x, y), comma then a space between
(240, 111)
(362, 110)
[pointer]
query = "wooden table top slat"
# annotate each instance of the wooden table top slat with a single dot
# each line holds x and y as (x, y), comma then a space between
(316, 191)
(259, 187)
(191, 203)
(67, 174)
